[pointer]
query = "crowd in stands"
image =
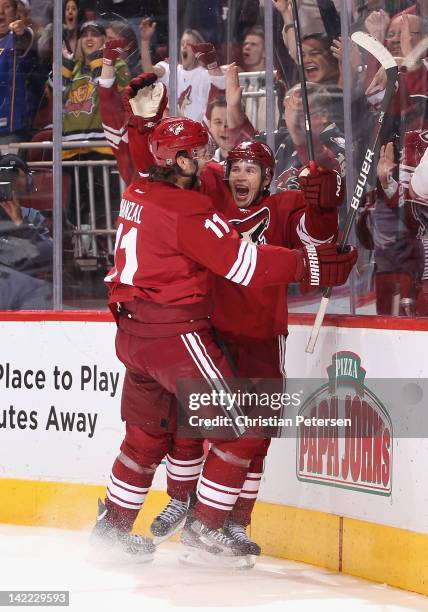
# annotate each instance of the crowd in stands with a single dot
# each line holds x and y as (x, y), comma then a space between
(221, 81)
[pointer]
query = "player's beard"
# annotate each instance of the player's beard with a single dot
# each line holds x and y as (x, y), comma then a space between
(193, 178)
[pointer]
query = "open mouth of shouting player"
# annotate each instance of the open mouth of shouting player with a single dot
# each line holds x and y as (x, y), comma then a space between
(246, 182)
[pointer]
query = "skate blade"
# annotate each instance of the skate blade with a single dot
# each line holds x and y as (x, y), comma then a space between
(201, 558)
(159, 539)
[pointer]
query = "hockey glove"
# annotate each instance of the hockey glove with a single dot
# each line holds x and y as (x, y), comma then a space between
(323, 190)
(324, 266)
(206, 55)
(112, 50)
(145, 101)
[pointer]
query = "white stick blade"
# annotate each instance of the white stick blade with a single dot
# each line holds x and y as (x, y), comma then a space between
(373, 46)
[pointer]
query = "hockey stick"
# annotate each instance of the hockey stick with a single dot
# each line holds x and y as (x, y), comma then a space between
(304, 89)
(373, 46)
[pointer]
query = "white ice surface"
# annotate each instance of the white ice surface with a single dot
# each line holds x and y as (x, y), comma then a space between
(50, 559)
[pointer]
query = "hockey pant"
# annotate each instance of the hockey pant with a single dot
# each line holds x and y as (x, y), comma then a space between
(153, 366)
(251, 358)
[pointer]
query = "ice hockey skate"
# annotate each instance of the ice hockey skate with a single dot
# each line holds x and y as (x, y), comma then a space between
(171, 519)
(213, 548)
(238, 534)
(109, 543)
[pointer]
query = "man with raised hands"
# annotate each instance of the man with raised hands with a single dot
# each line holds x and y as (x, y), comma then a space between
(199, 77)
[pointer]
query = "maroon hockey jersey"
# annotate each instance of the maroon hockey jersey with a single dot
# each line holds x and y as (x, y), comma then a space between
(283, 219)
(167, 240)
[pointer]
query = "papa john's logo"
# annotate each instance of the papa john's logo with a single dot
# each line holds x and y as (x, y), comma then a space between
(355, 453)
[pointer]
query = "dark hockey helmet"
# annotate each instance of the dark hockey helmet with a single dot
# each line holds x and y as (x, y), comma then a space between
(176, 134)
(257, 152)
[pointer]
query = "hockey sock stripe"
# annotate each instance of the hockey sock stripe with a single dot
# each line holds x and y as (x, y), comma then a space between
(219, 487)
(184, 462)
(218, 504)
(217, 496)
(190, 471)
(124, 504)
(182, 478)
(181, 472)
(132, 498)
(251, 485)
(128, 487)
(214, 505)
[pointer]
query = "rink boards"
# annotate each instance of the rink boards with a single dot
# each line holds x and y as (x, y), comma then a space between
(359, 508)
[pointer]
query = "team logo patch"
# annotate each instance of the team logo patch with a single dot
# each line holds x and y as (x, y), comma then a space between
(185, 100)
(253, 228)
(177, 129)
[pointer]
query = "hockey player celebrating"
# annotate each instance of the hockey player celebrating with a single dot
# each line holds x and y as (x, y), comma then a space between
(252, 323)
(169, 237)
(259, 353)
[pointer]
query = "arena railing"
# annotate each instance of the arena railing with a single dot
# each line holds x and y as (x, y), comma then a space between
(90, 230)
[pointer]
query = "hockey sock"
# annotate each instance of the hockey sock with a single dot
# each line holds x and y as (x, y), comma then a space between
(183, 467)
(221, 482)
(126, 492)
(244, 505)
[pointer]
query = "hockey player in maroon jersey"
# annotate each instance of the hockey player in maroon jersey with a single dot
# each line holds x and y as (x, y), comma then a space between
(169, 237)
(252, 322)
